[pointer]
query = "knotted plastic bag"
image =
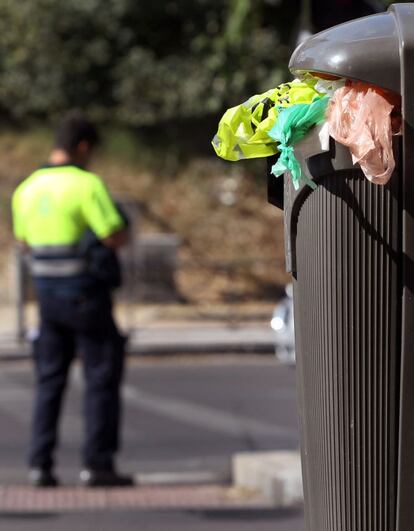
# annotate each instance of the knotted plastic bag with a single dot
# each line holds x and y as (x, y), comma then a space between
(292, 125)
(242, 131)
(359, 116)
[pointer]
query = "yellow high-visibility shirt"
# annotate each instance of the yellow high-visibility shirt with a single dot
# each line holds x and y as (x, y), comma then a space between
(56, 204)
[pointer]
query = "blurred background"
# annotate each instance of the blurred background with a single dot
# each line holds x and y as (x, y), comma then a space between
(204, 270)
(156, 77)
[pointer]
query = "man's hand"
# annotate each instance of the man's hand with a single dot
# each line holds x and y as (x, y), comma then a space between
(117, 239)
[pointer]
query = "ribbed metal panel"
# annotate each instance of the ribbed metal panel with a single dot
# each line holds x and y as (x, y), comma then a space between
(347, 300)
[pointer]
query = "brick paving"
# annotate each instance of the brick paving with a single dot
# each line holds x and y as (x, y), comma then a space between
(23, 498)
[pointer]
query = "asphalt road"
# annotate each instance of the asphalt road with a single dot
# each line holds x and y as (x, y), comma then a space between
(190, 520)
(190, 415)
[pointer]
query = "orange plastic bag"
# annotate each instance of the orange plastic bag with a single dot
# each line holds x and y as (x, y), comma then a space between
(359, 116)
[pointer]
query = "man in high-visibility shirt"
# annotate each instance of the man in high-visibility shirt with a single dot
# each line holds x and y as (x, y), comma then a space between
(52, 210)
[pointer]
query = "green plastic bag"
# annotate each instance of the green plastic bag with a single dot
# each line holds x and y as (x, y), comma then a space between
(292, 125)
(243, 130)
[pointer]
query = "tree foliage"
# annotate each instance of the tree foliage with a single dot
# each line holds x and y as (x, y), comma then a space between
(136, 62)
(141, 63)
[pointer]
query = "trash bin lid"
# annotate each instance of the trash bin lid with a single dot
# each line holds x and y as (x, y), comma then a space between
(365, 49)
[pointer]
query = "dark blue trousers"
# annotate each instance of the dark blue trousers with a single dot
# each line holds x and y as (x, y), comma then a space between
(83, 324)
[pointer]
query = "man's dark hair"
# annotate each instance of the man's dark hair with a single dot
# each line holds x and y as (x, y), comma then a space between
(73, 129)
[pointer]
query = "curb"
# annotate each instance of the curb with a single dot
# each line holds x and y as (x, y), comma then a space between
(200, 477)
(277, 476)
(174, 340)
(201, 339)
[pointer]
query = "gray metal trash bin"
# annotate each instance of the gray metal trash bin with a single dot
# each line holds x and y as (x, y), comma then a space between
(350, 248)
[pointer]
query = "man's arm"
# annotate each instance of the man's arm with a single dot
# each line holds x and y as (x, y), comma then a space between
(103, 217)
(19, 222)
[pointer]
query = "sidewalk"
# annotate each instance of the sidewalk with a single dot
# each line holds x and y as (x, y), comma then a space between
(23, 499)
(259, 479)
(166, 330)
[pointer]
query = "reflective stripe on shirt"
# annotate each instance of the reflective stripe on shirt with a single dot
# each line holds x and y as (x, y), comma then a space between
(57, 261)
(55, 250)
(66, 267)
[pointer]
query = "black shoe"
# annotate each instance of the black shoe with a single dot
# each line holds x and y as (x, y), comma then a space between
(104, 478)
(38, 477)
